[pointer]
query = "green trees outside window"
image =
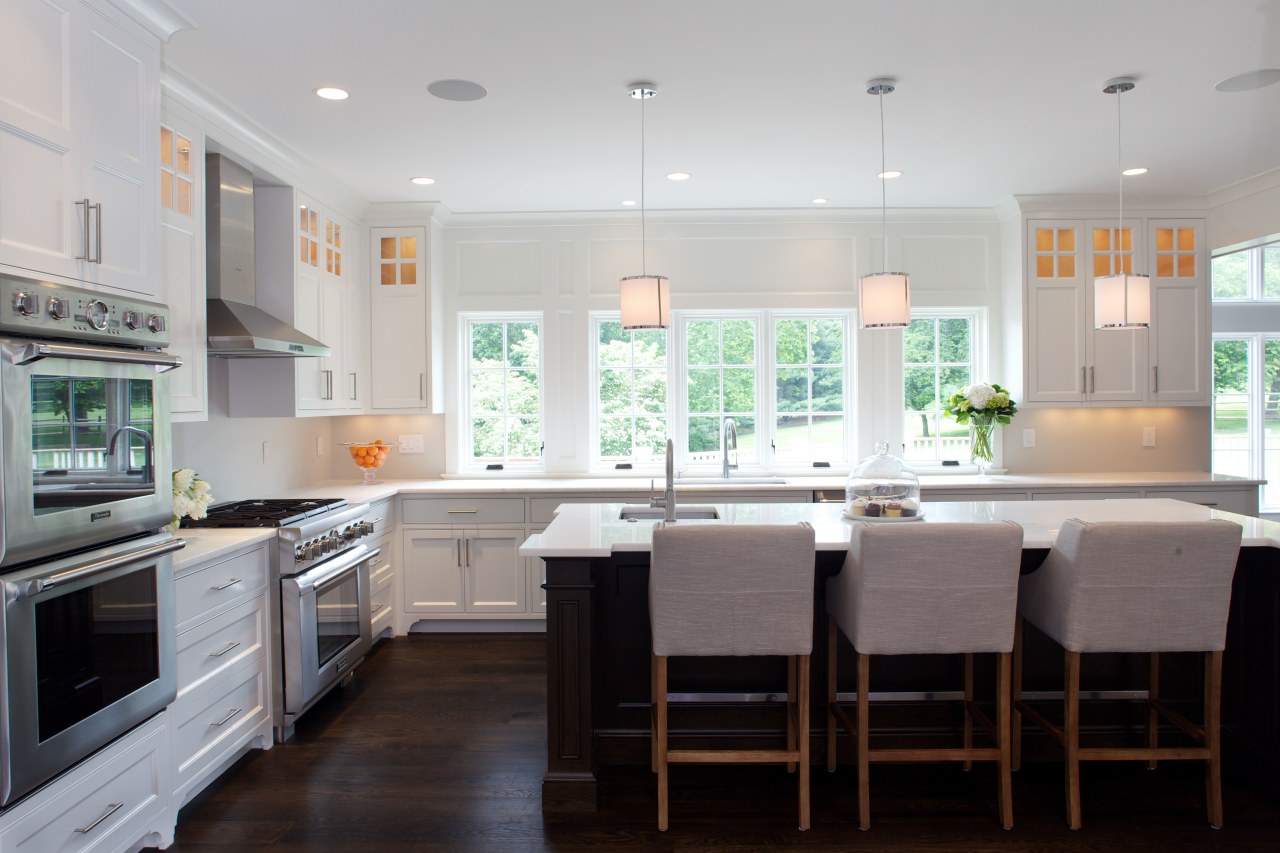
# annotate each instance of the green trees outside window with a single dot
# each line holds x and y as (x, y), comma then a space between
(504, 387)
(631, 393)
(938, 361)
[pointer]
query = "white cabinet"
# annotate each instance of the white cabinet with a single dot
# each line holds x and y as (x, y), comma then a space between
(182, 245)
(1067, 361)
(463, 570)
(406, 314)
(79, 105)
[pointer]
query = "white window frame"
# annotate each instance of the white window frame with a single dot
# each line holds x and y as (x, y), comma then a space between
(1253, 279)
(1269, 496)
(596, 464)
(467, 463)
(980, 343)
(847, 319)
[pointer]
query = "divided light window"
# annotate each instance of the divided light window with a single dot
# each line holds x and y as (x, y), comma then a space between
(630, 394)
(1246, 410)
(938, 360)
(809, 390)
(503, 385)
(1249, 275)
(720, 359)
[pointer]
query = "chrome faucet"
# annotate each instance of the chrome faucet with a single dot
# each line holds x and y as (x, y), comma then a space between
(668, 499)
(148, 459)
(729, 440)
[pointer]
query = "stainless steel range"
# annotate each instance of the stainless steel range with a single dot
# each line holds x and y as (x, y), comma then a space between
(320, 588)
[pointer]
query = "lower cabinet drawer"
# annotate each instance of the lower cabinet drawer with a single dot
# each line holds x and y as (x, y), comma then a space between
(460, 511)
(214, 586)
(115, 801)
(380, 606)
(383, 575)
(205, 723)
(221, 644)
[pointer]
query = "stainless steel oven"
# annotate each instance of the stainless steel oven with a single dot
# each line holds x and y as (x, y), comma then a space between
(88, 655)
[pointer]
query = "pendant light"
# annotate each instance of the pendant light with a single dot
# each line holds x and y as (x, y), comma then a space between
(1121, 300)
(884, 298)
(646, 302)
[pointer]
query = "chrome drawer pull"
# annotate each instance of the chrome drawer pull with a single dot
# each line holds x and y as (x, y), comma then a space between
(231, 582)
(471, 511)
(228, 717)
(377, 610)
(111, 809)
(229, 647)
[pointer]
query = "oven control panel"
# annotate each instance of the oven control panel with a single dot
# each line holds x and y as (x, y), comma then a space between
(41, 309)
(331, 542)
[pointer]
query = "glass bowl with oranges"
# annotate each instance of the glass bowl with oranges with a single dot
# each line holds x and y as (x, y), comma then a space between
(369, 456)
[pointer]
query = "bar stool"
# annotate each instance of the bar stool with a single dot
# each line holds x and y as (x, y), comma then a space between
(740, 590)
(1134, 587)
(926, 589)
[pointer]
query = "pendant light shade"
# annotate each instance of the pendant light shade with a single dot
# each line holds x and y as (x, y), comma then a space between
(884, 298)
(1121, 300)
(646, 301)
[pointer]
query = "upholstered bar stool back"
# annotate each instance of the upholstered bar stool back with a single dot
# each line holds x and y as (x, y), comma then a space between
(733, 590)
(928, 588)
(1135, 587)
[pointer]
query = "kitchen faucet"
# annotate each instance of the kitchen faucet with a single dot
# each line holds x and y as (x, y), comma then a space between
(147, 458)
(729, 436)
(668, 499)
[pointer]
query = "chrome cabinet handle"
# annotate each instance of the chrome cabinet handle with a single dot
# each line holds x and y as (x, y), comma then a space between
(229, 647)
(354, 393)
(97, 259)
(1155, 372)
(377, 610)
(228, 717)
(231, 582)
(85, 250)
(1092, 385)
(467, 544)
(111, 809)
(422, 386)
(1084, 384)
(461, 511)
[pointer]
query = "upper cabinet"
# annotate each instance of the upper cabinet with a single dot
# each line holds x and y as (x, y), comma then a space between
(182, 243)
(406, 313)
(1067, 361)
(79, 101)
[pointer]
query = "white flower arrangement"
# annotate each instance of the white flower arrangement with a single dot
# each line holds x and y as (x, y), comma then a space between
(191, 497)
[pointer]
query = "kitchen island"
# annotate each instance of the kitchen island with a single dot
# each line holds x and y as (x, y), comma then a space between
(598, 639)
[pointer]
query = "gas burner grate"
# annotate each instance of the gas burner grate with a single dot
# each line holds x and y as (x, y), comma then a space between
(269, 512)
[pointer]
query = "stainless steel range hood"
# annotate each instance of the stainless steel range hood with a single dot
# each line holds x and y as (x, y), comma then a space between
(238, 328)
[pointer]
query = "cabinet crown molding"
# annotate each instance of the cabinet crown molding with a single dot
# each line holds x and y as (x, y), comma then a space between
(158, 17)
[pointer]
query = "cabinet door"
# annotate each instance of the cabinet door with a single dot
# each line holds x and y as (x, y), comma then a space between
(1116, 357)
(495, 573)
(120, 78)
(39, 165)
(182, 264)
(308, 296)
(1179, 346)
(398, 370)
(431, 572)
(1056, 312)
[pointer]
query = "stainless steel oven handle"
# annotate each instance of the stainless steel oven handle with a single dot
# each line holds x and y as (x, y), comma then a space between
(39, 585)
(44, 349)
(335, 568)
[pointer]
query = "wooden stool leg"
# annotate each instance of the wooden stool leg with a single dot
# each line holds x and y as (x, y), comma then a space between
(1016, 722)
(792, 718)
(1071, 734)
(802, 717)
(831, 694)
(1213, 736)
(1153, 695)
(660, 733)
(653, 712)
(863, 728)
(1003, 703)
(968, 706)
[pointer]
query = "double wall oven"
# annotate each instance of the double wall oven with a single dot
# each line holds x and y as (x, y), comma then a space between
(87, 577)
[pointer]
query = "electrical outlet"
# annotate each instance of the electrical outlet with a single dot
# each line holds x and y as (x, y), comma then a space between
(1148, 436)
(412, 444)
(1028, 438)
(266, 452)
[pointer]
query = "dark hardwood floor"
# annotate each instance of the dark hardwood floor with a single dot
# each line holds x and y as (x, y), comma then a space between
(439, 745)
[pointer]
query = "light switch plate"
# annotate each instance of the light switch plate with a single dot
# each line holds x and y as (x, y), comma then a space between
(412, 444)
(1148, 436)
(1028, 438)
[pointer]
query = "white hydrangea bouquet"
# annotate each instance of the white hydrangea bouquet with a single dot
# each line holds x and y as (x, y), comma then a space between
(983, 406)
(191, 497)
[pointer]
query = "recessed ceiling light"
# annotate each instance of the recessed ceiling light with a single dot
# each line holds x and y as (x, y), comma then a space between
(457, 90)
(889, 175)
(678, 176)
(332, 93)
(819, 201)
(1250, 80)
(1136, 170)
(630, 202)
(422, 180)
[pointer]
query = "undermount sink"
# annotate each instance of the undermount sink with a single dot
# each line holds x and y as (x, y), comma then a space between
(731, 481)
(656, 513)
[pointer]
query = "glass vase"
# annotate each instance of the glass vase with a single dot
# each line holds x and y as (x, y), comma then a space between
(980, 450)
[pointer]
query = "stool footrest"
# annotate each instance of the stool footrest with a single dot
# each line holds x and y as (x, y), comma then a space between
(733, 756)
(1143, 753)
(958, 753)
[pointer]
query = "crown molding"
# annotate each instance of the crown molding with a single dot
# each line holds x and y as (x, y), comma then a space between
(1243, 189)
(156, 16)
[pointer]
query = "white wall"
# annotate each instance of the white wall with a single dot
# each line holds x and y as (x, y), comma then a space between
(1245, 213)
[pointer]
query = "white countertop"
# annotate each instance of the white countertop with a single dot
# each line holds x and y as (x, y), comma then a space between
(594, 530)
(205, 544)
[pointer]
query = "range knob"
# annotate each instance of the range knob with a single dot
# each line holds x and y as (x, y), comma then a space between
(352, 532)
(299, 553)
(25, 303)
(132, 320)
(58, 308)
(156, 323)
(97, 314)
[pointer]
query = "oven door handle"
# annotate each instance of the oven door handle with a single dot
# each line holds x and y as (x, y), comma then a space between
(43, 349)
(334, 569)
(27, 589)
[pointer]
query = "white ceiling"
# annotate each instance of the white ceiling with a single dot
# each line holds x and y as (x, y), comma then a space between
(762, 101)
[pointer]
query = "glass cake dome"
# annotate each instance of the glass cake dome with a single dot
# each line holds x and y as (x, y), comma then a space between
(882, 486)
